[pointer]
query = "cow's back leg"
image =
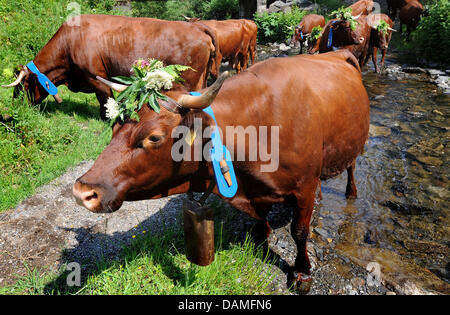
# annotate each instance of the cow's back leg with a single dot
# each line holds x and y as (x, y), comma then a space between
(301, 275)
(351, 191)
(262, 228)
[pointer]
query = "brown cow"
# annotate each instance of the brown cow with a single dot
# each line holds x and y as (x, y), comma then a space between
(108, 45)
(305, 27)
(236, 40)
(378, 39)
(410, 15)
(342, 35)
(361, 50)
(364, 7)
(322, 122)
(394, 5)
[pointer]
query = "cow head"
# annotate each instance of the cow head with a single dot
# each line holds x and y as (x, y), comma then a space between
(381, 30)
(28, 82)
(138, 163)
(343, 34)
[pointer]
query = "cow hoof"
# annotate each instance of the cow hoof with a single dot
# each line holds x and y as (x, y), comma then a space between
(302, 283)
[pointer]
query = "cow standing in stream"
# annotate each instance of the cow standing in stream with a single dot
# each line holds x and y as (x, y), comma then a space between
(323, 123)
(107, 46)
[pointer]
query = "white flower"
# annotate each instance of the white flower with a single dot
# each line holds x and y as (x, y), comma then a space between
(112, 109)
(159, 79)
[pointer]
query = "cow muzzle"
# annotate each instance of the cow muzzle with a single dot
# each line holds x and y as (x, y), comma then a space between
(93, 197)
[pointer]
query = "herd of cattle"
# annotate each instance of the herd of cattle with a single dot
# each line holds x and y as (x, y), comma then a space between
(318, 101)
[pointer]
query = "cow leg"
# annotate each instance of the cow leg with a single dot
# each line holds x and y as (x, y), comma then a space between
(374, 58)
(262, 228)
(301, 275)
(383, 55)
(301, 47)
(351, 191)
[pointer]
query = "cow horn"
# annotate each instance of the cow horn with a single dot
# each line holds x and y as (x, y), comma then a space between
(391, 29)
(19, 79)
(206, 99)
(115, 86)
(356, 17)
(187, 18)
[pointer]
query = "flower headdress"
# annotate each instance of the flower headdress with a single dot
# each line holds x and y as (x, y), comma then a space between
(148, 78)
(345, 14)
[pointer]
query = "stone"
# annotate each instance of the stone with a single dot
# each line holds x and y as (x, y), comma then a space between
(379, 131)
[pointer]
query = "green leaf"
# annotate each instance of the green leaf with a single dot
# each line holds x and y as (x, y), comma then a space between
(124, 80)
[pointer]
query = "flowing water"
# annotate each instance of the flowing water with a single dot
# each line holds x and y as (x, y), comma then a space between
(401, 218)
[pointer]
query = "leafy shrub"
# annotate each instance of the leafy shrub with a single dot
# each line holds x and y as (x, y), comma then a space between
(276, 27)
(431, 39)
(175, 10)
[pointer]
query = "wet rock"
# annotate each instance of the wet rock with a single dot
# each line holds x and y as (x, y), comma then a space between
(426, 247)
(379, 131)
(409, 69)
(284, 47)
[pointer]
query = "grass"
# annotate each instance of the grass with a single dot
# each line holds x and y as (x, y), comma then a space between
(156, 264)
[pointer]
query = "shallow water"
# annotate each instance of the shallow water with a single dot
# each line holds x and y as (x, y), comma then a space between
(401, 216)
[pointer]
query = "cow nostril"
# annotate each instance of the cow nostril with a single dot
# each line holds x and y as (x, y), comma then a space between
(361, 39)
(92, 196)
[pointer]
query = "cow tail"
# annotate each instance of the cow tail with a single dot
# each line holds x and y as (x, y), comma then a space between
(214, 53)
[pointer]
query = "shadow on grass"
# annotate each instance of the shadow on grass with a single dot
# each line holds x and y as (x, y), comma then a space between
(71, 106)
(97, 251)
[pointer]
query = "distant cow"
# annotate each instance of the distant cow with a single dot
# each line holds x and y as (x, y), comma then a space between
(394, 5)
(305, 27)
(364, 7)
(107, 46)
(317, 103)
(379, 39)
(236, 41)
(410, 15)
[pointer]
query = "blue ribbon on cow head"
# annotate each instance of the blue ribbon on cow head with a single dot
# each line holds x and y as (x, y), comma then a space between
(330, 35)
(218, 153)
(43, 80)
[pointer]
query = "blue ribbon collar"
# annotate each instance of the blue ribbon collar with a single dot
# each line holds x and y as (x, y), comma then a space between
(218, 153)
(43, 80)
(330, 35)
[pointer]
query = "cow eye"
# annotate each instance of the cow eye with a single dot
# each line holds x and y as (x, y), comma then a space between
(154, 139)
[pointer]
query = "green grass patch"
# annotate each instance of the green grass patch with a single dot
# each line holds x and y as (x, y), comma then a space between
(156, 264)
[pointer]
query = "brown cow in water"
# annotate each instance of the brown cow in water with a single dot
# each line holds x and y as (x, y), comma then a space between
(361, 50)
(305, 27)
(410, 15)
(378, 39)
(236, 40)
(320, 123)
(107, 46)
